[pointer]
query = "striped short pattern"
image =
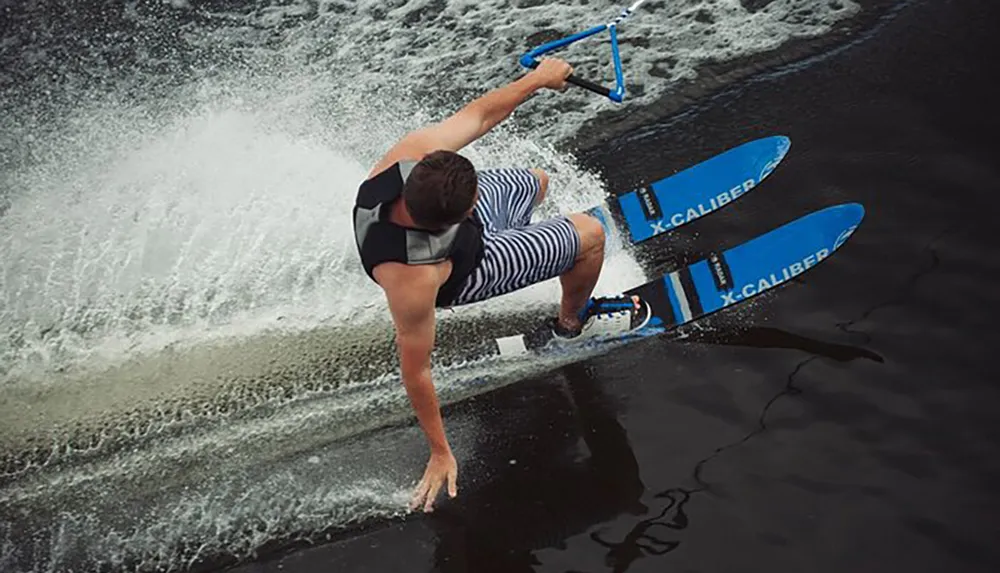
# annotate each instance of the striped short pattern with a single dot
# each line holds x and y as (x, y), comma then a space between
(517, 252)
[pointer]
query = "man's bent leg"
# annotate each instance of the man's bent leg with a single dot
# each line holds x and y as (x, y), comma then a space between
(519, 257)
(543, 183)
(578, 283)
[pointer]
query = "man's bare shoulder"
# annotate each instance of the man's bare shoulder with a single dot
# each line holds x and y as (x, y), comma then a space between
(396, 277)
(411, 291)
(413, 147)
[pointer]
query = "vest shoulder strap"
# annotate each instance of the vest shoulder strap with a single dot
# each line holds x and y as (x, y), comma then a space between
(423, 247)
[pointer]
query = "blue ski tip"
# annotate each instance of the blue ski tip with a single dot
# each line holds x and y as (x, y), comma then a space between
(674, 201)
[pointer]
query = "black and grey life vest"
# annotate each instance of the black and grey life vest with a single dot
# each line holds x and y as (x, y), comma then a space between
(381, 241)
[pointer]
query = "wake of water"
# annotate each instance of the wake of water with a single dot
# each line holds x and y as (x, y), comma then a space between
(191, 300)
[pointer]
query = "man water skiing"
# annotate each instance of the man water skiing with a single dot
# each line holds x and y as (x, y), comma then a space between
(434, 232)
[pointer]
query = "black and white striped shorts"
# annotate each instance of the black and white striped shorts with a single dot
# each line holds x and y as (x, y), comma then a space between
(517, 253)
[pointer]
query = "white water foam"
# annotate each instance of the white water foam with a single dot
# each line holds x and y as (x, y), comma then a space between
(449, 50)
(236, 215)
(221, 221)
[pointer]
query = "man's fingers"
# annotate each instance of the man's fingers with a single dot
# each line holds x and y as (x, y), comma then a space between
(418, 494)
(429, 504)
(416, 500)
(556, 70)
(452, 483)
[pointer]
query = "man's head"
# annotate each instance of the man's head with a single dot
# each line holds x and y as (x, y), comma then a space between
(441, 190)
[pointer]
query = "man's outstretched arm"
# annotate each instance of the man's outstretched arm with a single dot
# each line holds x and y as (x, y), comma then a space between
(411, 292)
(478, 117)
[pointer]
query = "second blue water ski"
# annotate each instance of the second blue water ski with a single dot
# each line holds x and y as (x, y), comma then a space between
(701, 189)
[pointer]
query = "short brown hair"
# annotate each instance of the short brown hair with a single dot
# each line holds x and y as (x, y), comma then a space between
(440, 190)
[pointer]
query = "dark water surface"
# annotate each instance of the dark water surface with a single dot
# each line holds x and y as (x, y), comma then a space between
(844, 423)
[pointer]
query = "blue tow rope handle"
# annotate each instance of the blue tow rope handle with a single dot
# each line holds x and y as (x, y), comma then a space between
(617, 94)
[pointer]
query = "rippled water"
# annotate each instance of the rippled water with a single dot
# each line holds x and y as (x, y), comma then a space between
(186, 338)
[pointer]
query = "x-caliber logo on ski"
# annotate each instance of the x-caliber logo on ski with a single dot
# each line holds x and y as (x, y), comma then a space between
(692, 212)
(842, 238)
(769, 167)
(772, 280)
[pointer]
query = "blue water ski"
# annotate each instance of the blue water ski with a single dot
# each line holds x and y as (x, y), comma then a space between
(698, 190)
(722, 279)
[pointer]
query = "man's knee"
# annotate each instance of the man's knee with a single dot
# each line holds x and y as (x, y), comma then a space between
(591, 232)
(543, 182)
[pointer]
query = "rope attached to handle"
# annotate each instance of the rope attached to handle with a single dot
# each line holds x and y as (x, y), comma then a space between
(616, 94)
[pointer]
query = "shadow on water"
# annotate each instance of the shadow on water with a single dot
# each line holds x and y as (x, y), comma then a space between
(658, 535)
(583, 483)
(576, 471)
(766, 337)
